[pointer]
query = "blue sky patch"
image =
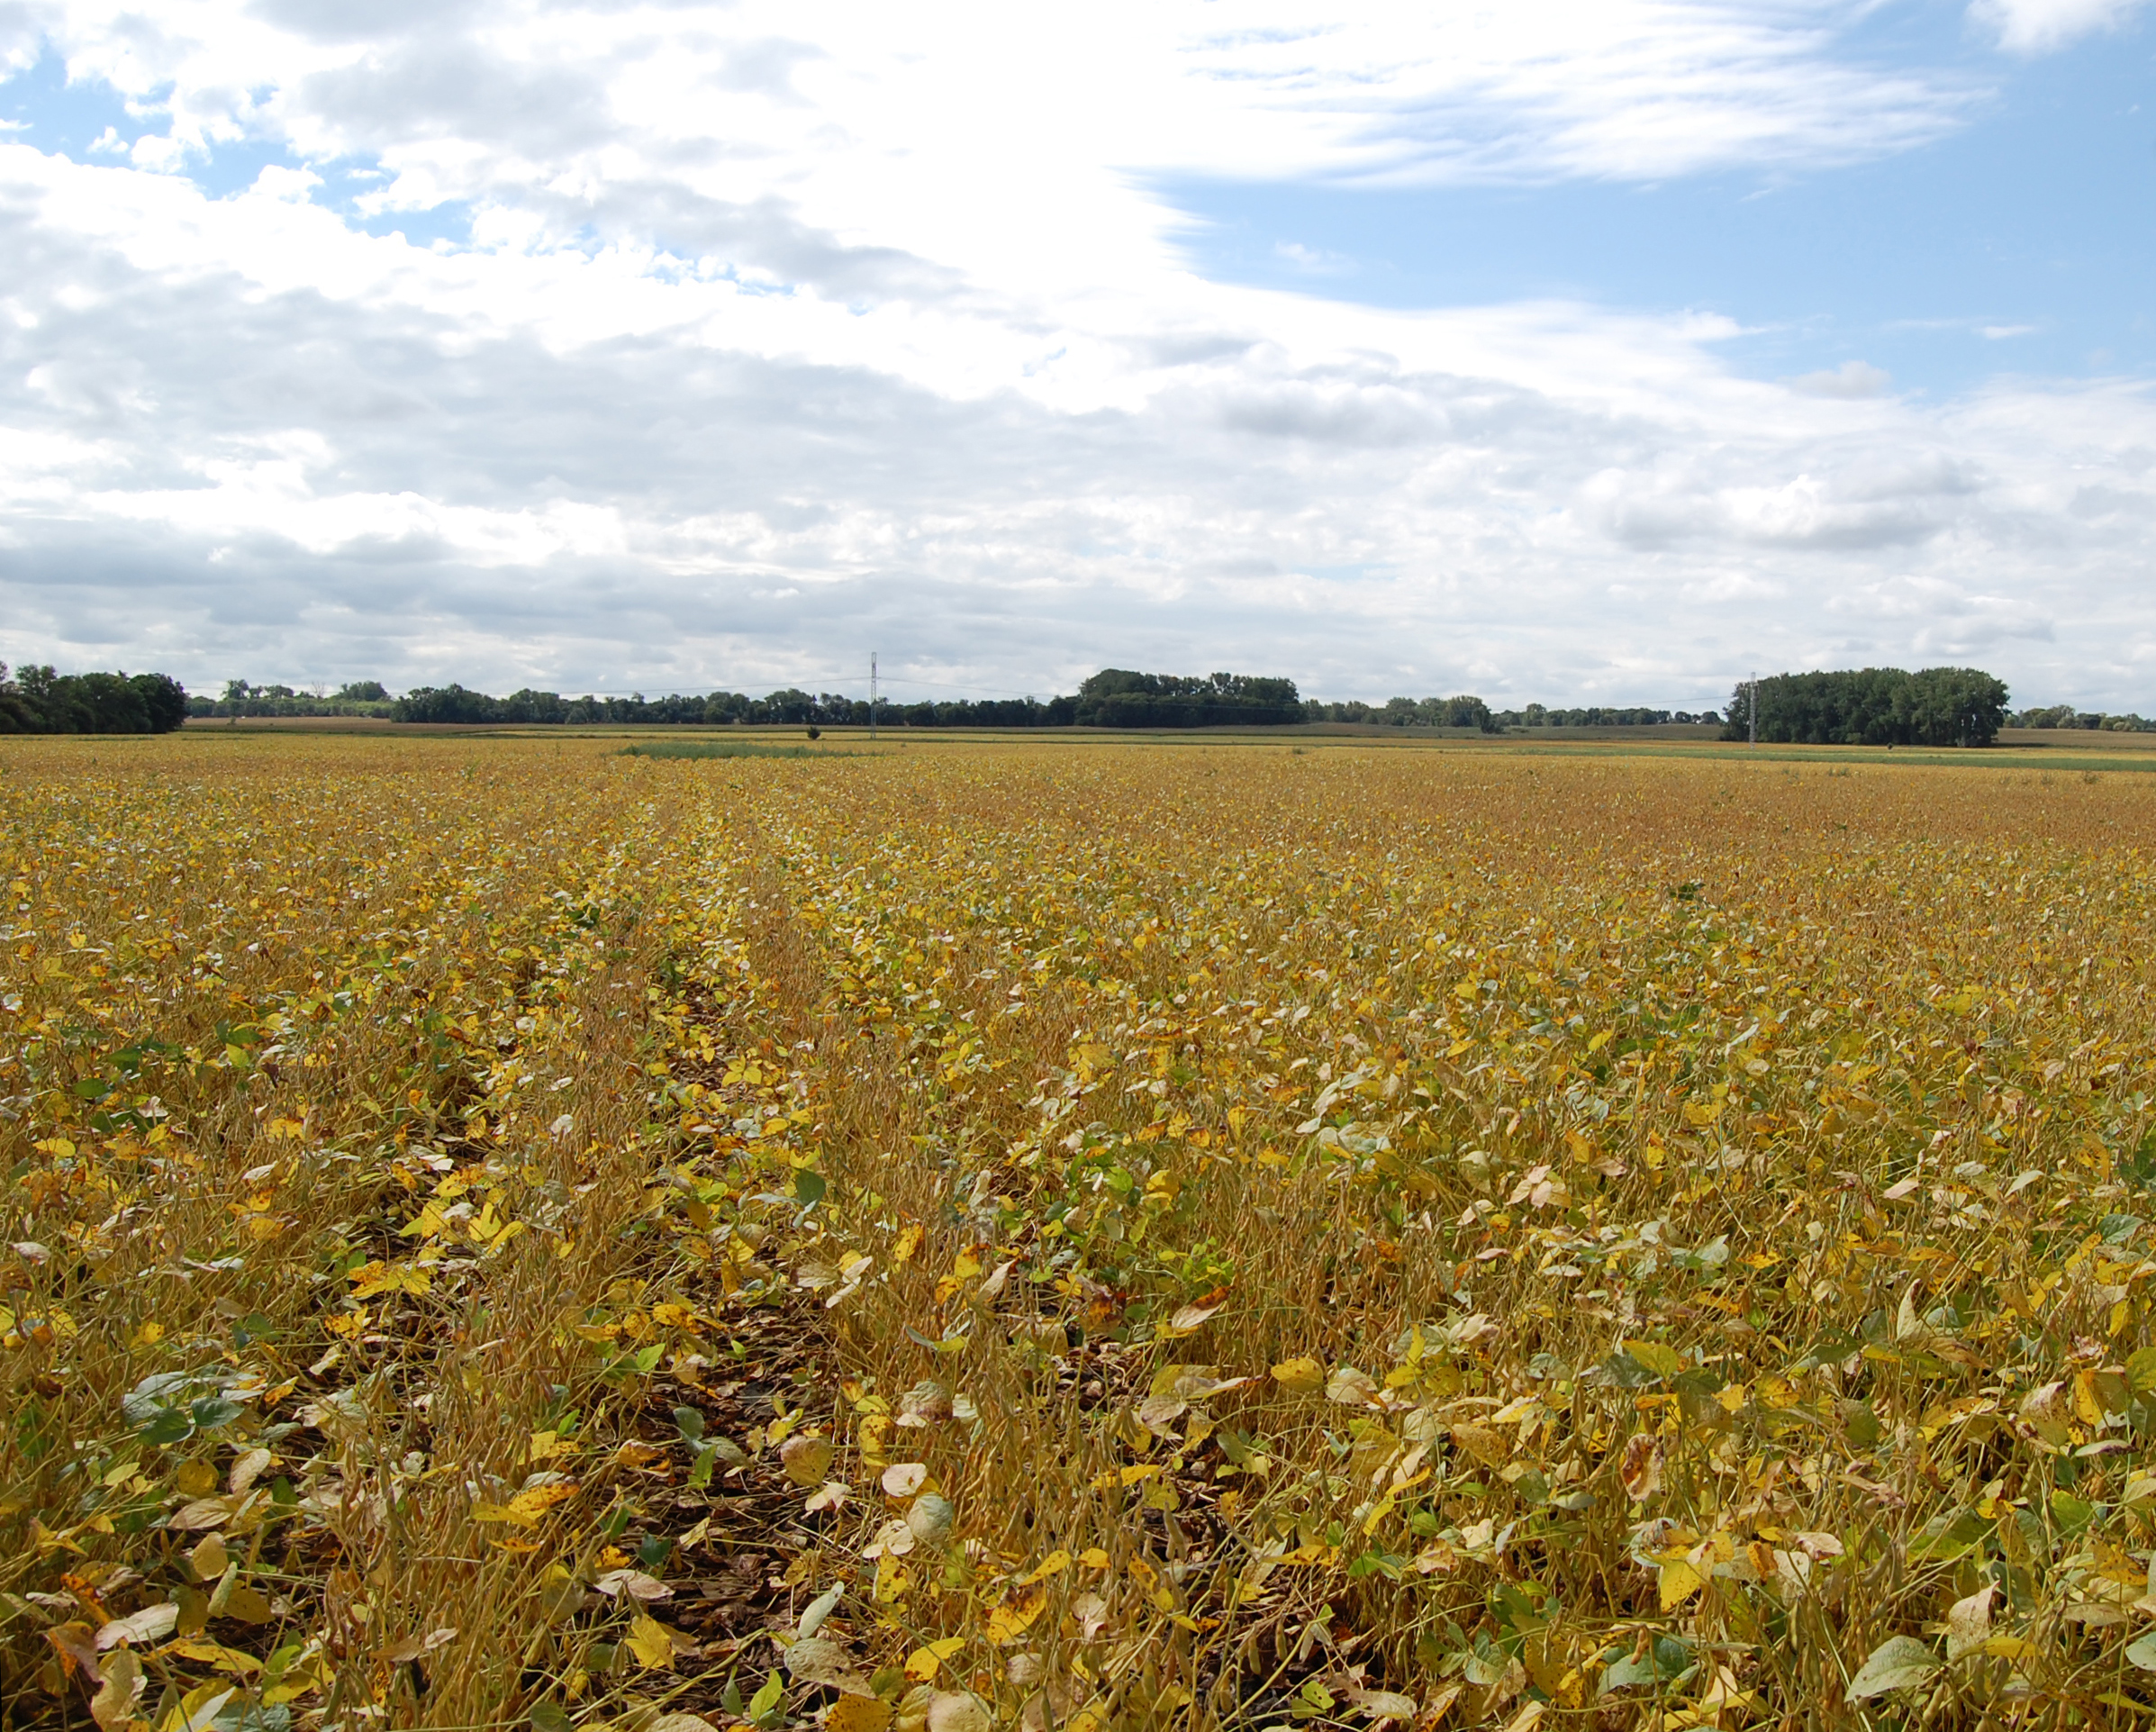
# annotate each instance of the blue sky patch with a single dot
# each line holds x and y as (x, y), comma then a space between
(2023, 243)
(41, 108)
(87, 120)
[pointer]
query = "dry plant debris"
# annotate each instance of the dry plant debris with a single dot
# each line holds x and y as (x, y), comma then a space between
(499, 1233)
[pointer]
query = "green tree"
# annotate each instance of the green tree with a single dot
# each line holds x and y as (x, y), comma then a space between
(1119, 697)
(1871, 706)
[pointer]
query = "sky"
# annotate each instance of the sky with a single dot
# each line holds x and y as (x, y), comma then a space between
(1594, 352)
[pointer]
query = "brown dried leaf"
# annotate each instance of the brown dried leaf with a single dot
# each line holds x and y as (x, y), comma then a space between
(1640, 1467)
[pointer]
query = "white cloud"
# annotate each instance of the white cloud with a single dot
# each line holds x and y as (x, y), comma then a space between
(787, 332)
(1851, 379)
(1314, 260)
(2041, 26)
(293, 186)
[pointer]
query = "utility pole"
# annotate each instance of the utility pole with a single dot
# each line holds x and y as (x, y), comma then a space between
(871, 694)
(1754, 706)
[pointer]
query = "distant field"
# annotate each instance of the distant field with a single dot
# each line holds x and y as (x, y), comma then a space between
(2076, 739)
(2106, 750)
(964, 1231)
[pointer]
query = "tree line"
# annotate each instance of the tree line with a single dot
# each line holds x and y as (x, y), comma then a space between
(2066, 715)
(1115, 697)
(1474, 712)
(1871, 706)
(34, 700)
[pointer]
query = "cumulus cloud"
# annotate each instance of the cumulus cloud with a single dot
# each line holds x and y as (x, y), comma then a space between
(788, 333)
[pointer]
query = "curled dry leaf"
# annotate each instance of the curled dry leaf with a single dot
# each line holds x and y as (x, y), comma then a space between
(121, 1681)
(818, 1610)
(151, 1624)
(1196, 1383)
(417, 1647)
(903, 1479)
(813, 1660)
(77, 1642)
(250, 1467)
(202, 1513)
(1640, 1467)
(635, 1583)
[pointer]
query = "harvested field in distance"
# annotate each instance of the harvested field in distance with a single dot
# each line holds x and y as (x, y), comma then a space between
(502, 1232)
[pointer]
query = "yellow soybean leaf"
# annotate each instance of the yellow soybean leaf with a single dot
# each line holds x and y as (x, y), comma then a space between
(215, 1654)
(857, 1714)
(1300, 1377)
(197, 1708)
(1008, 1622)
(525, 1508)
(652, 1642)
(2086, 1403)
(1054, 1563)
(2141, 1370)
(113, 1706)
(1679, 1583)
(374, 1278)
(924, 1662)
(903, 1248)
